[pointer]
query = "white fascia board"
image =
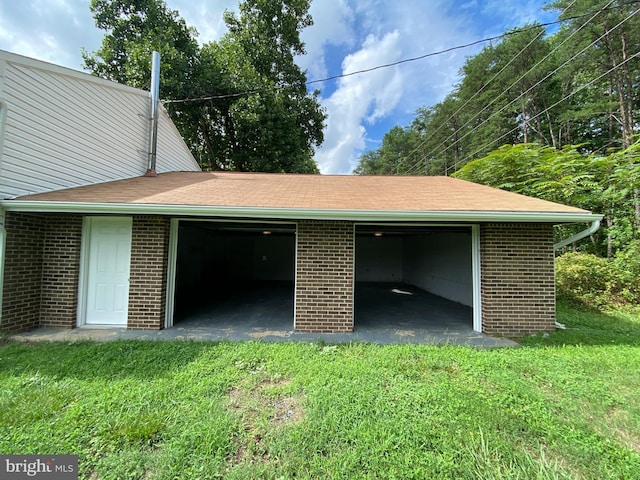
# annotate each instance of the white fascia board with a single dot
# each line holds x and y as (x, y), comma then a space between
(295, 213)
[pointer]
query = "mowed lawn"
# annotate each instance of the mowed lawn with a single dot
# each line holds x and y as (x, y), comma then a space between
(562, 406)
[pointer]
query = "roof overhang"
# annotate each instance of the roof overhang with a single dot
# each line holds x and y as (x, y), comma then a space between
(297, 213)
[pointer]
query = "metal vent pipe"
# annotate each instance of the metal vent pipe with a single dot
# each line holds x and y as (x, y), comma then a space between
(153, 124)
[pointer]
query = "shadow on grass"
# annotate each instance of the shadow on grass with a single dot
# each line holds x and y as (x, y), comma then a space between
(588, 327)
(89, 360)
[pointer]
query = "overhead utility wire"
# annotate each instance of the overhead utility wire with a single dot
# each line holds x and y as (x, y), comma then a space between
(399, 62)
(413, 168)
(434, 150)
(534, 86)
(588, 84)
(419, 163)
(550, 74)
(477, 92)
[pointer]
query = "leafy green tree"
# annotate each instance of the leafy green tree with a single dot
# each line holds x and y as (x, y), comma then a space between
(280, 125)
(625, 181)
(441, 145)
(268, 31)
(612, 29)
(135, 29)
(564, 107)
(505, 96)
(247, 106)
(602, 184)
(392, 157)
(575, 87)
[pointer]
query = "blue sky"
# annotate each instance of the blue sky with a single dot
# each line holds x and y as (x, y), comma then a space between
(348, 35)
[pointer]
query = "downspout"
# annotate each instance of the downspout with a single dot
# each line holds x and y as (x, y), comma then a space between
(595, 225)
(153, 124)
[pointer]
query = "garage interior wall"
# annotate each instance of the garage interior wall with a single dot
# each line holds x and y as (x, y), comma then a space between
(212, 257)
(439, 262)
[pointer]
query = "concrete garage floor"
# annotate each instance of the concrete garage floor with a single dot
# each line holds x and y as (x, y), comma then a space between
(385, 314)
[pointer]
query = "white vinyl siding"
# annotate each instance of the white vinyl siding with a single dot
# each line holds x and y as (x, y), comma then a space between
(65, 129)
(172, 154)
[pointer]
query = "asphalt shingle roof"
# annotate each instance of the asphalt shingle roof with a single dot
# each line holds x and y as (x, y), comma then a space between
(292, 191)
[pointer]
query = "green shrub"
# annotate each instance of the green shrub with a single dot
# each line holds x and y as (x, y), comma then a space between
(583, 278)
(598, 282)
(627, 269)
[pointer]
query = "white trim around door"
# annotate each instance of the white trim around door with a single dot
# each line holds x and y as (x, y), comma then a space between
(477, 278)
(104, 271)
(171, 272)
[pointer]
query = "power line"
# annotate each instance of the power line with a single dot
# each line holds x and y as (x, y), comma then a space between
(440, 52)
(550, 74)
(474, 96)
(393, 64)
(425, 157)
(586, 85)
(480, 90)
(557, 47)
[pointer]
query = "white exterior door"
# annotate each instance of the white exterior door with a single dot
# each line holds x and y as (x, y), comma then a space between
(109, 256)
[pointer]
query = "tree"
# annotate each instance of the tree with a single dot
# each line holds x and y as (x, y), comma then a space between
(268, 31)
(578, 86)
(392, 157)
(602, 184)
(137, 28)
(504, 97)
(612, 29)
(255, 114)
(440, 129)
(280, 125)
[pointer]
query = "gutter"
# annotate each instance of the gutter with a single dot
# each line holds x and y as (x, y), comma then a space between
(595, 225)
(296, 213)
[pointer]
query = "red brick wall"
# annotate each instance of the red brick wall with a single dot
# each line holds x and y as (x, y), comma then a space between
(21, 295)
(42, 262)
(149, 260)
(325, 275)
(42, 259)
(60, 271)
(518, 284)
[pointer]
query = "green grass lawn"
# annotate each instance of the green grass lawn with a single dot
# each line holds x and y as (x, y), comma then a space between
(562, 406)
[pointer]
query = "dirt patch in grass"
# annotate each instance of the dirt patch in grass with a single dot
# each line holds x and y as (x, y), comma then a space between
(617, 426)
(270, 333)
(263, 409)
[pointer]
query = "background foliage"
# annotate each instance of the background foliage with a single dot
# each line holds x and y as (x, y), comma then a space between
(553, 116)
(606, 184)
(247, 105)
(606, 284)
(577, 86)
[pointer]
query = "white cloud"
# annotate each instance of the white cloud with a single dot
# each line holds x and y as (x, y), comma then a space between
(361, 102)
(358, 98)
(347, 35)
(56, 30)
(53, 31)
(332, 25)
(207, 17)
